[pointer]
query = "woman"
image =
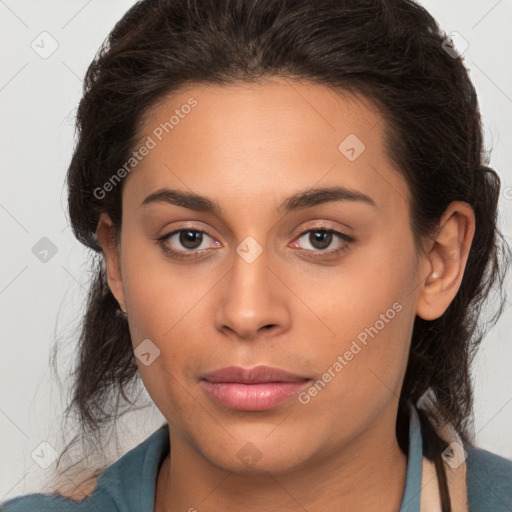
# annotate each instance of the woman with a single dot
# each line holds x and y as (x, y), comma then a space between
(297, 231)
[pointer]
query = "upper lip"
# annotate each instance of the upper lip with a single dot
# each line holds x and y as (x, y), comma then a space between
(256, 375)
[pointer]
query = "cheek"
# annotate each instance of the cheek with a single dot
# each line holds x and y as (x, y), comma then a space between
(165, 314)
(366, 362)
(159, 293)
(166, 306)
(369, 308)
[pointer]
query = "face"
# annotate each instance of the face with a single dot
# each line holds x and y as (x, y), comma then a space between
(323, 287)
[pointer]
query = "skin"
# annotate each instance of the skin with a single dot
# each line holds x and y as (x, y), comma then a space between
(248, 147)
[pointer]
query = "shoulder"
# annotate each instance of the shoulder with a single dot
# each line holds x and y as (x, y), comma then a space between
(127, 484)
(489, 481)
(64, 498)
(83, 497)
(39, 502)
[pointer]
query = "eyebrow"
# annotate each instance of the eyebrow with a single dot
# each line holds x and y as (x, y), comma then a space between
(300, 200)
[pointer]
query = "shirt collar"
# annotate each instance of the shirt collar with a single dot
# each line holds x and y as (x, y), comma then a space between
(153, 451)
(412, 491)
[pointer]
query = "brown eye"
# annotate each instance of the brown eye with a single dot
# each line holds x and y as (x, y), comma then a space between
(186, 243)
(189, 238)
(320, 239)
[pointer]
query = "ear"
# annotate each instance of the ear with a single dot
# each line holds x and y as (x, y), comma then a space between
(106, 237)
(445, 260)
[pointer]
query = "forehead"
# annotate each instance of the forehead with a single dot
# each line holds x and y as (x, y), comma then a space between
(238, 141)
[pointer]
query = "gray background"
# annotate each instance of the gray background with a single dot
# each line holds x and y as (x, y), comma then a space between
(41, 300)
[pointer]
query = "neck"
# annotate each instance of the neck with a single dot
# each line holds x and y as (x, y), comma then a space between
(367, 475)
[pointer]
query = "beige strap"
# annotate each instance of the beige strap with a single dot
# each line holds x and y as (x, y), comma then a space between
(455, 467)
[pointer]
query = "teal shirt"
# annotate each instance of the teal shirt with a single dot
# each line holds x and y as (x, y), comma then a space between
(128, 485)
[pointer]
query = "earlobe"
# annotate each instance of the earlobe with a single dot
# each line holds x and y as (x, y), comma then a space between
(446, 260)
(105, 233)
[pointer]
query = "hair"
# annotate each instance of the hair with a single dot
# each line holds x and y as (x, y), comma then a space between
(388, 51)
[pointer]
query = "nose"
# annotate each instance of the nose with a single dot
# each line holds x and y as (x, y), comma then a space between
(252, 301)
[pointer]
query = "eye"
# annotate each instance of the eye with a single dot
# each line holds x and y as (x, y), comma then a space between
(321, 238)
(182, 241)
(189, 243)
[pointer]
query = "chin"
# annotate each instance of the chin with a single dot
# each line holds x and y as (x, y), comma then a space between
(264, 454)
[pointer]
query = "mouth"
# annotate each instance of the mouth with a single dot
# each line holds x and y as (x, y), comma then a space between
(254, 389)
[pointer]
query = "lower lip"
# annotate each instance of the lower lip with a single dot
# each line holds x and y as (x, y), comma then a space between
(252, 397)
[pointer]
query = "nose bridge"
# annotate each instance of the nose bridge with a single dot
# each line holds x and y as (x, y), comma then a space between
(252, 297)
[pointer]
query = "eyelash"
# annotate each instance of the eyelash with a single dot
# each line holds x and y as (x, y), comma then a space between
(193, 254)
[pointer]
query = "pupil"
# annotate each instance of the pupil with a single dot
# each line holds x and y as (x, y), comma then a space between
(324, 238)
(189, 239)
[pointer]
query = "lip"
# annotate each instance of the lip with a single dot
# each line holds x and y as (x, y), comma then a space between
(257, 375)
(254, 389)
